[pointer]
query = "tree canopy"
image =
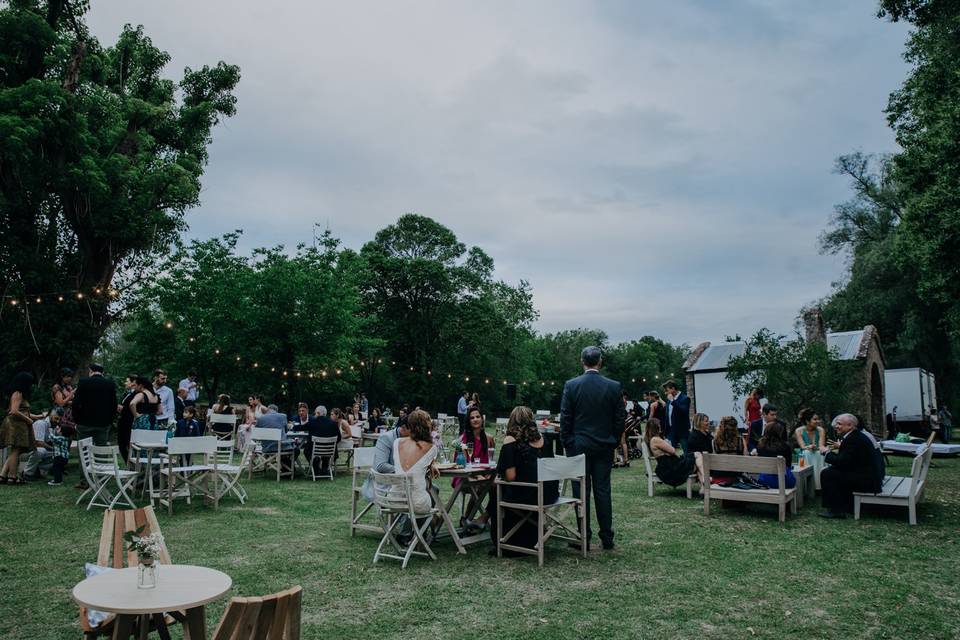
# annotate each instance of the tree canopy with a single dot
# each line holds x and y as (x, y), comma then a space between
(100, 158)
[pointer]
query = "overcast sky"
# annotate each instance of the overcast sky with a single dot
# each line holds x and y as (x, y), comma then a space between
(658, 168)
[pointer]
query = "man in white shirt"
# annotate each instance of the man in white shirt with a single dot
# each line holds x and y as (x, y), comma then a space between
(462, 410)
(190, 384)
(165, 393)
(42, 456)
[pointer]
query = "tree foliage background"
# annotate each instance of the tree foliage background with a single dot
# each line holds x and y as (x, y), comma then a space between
(414, 317)
(100, 157)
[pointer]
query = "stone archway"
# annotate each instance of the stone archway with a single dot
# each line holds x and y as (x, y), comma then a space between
(876, 399)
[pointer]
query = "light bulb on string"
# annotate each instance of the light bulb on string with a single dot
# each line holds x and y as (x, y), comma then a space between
(13, 302)
(449, 375)
(411, 368)
(466, 378)
(379, 360)
(79, 295)
(168, 325)
(361, 363)
(323, 373)
(216, 352)
(284, 373)
(429, 373)
(59, 298)
(486, 381)
(273, 369)
(256, 365)
(338, 371)
(504, 382)
(298, 374)
(238, 358)
(38, 300)
(97, 291)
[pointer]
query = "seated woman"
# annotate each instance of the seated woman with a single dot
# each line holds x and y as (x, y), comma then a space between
(522, 447)
(222, 407)
(374, 422)
(414, 456)
(700, 440)
(672, 469)
(810, 436)
(481, 444)
(775, 443)
(337, 416)
(727, 441)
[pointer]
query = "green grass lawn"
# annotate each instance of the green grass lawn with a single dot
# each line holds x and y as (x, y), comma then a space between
(675, 573)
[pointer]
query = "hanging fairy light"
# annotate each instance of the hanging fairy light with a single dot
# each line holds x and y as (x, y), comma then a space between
(13, 302)
(79, 295)
(38, 300)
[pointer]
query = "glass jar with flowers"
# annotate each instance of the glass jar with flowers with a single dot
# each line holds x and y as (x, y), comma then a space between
(148, 550)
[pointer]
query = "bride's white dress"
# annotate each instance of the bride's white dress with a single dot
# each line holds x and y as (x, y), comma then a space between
(421, 496)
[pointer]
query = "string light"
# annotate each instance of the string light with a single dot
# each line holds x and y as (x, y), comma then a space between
(216, 351)
(256, 364)
(79, 295)
(59, 298)
(238, 358)
(13, 301)
(168, 325)
(39, 300)
(486, 381)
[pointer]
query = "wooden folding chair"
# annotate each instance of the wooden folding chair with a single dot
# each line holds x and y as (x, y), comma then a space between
(271, 459)
(548, 516)
(113, 553)
(362, 463)
(393, 495)
(273, 617)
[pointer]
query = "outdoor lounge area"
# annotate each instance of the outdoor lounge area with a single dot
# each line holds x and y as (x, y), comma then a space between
(675, 573)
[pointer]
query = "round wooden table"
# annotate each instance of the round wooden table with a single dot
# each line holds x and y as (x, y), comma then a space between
(180, 588)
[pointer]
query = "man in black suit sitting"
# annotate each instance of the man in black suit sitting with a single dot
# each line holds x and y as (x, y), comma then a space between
(853, 467)
(592, 418)
(322, 427)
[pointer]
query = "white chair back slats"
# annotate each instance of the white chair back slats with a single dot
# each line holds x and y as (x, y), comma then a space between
(392, 492)
(225, 452)
(571, 468)
(261, 433)
(324, 446)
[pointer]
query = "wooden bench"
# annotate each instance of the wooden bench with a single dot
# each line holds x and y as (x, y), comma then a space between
(749, 464)
(652, 478)
(898, 490)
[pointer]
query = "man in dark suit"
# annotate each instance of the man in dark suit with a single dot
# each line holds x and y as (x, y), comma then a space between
(95, 405)
(322, 427)
(591, 422)
(678, 415)
(853, 467)
(768, 416)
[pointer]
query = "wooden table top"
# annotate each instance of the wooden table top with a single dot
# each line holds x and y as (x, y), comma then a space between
(179, 586)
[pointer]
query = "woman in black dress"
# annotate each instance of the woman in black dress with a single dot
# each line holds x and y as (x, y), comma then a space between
(672, 469)
(125, 421)
(521, 449)
(144, 405)
(657, 408)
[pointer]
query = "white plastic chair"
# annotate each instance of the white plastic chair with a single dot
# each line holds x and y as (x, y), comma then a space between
(270, 459)
(191, 474)
(393, 497)
(323, 449)
(106, 466)
(502, 425)
(362, 464)
(548, 516)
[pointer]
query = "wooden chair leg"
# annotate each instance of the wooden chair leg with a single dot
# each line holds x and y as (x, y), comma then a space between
(856, 507)
(195, 627)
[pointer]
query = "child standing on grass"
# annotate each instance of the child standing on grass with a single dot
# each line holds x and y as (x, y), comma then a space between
(61, 454)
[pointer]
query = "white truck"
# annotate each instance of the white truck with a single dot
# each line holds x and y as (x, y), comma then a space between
(909, 395)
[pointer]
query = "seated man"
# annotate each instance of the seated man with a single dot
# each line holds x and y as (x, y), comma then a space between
(320, 426)
(758, 427)
(853, 467)
(42, 455)
(273, 419)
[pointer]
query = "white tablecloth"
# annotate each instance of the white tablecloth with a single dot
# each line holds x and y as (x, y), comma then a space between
(908, 447)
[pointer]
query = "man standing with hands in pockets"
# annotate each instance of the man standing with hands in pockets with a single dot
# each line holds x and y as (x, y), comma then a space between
(592, 417)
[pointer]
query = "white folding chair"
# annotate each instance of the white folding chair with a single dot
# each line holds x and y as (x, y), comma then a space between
(86, 463)
(393, 497)
(502, 425)
(228, 474)
(104, 467)
(225, 453)
(143, 443)
(223, 418)
(323, 449)
(362, 464)
(270, 459)
(345, 448)
(192, 473)
(548, 516)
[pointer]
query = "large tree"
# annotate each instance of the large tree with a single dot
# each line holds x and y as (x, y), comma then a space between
(100, 158)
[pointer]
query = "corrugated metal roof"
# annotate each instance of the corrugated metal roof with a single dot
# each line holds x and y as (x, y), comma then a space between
(716, 356)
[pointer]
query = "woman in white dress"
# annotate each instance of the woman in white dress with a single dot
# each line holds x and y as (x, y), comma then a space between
(415, 456)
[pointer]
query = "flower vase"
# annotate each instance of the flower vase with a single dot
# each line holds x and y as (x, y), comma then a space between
(147, 573)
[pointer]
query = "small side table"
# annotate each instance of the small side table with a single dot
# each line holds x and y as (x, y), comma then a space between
(180, 587)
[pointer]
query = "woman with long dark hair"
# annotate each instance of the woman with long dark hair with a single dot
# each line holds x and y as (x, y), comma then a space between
(522, 447)
(672, 469)
(775, 442)
(125, 421)
(144, 404)
(62, 395)
(16, 432)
